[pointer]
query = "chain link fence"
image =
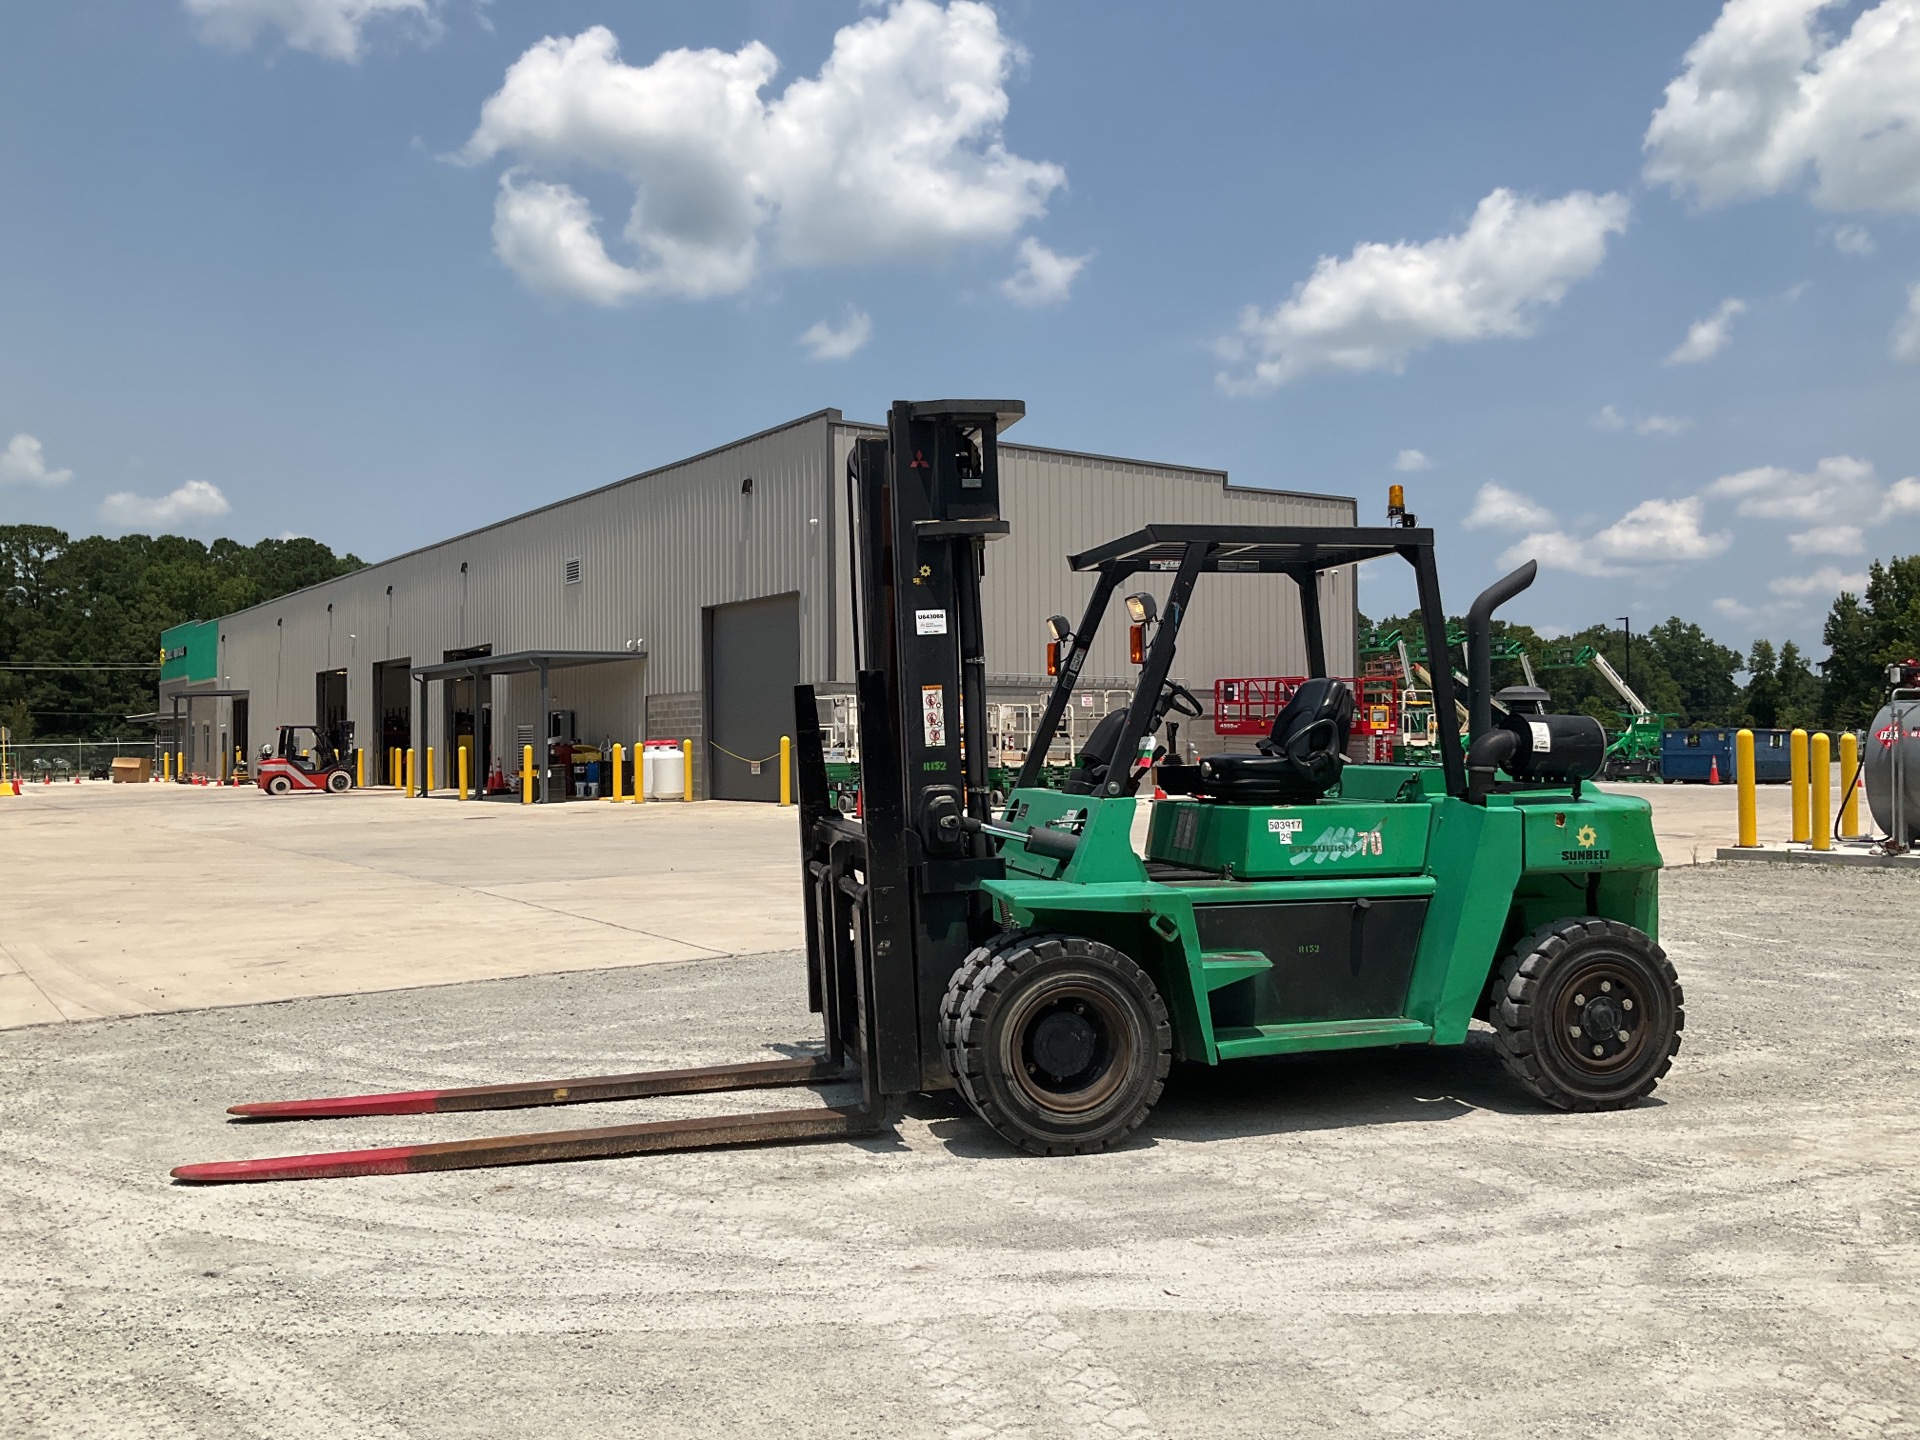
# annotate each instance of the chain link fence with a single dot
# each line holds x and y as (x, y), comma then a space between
(88, 759)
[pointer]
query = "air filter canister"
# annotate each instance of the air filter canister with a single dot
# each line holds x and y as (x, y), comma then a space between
(1556, 747)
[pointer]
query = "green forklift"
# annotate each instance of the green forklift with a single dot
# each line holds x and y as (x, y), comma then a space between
(1026, 954)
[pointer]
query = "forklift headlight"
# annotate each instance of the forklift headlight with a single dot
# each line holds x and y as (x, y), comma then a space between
(1059, 629)
(1141, 608)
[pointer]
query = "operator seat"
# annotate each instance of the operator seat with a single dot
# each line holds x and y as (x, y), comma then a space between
(1299, 761)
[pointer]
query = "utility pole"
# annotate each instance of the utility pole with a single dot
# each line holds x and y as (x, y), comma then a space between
(1626, 651)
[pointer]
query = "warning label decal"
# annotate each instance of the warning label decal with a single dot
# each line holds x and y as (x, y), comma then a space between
(933, 714)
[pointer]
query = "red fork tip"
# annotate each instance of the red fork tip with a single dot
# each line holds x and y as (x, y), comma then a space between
(340, 1164)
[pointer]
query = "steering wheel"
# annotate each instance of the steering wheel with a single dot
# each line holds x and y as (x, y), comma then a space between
(1181, 701)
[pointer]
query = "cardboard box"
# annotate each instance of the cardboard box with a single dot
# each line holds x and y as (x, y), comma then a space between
(132, 769)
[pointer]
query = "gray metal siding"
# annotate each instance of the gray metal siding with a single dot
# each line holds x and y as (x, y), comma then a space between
(653, 550)
(1060, 503)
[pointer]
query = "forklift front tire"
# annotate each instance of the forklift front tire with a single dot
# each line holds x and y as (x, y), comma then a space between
(339, 782)
(1587, 1014)
(1061, 1044)
(279, 785)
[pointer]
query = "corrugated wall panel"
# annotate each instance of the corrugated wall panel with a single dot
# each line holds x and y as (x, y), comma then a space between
(1059, 503)
(654, 550)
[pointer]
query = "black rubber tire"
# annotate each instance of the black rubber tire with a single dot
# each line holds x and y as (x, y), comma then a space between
(969, 971)
(279, 785)
(1546, 1040)
(1111, 1006)
(339, 782)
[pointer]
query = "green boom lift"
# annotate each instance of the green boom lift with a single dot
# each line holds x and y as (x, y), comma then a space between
(1023, 952)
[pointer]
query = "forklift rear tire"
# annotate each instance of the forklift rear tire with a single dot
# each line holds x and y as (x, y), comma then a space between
(1587, 1014)
(279, 785)
(339, 782)
(1061, 1044)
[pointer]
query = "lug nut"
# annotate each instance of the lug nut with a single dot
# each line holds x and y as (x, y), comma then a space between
(1623, 1037)
(1626, 1004)
(1606, 985)
(1599, 1050)
(1574, 1031)
(1579, 999)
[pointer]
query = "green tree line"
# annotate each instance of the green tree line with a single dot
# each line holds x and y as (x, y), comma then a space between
(97, 600)
(1679, 670)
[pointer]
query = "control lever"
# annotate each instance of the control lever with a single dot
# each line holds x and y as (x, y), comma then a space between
(1039, 839)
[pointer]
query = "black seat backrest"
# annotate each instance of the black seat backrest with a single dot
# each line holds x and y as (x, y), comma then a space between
(1311, 730)
(1090, 765)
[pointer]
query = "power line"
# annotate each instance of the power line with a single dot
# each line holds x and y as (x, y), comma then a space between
(42, 665)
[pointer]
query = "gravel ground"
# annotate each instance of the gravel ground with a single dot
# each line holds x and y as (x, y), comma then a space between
(1360, 1244)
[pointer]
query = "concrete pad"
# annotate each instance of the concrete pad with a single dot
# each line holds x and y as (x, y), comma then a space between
(125, 900)
(1805, 855)
(1387, 1243)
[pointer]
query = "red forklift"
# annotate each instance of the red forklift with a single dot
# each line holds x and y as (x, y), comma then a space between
(302, 758)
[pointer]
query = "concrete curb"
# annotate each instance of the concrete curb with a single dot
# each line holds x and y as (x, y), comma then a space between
(1784, 855)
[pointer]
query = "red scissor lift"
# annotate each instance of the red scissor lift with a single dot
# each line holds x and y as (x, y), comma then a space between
(1247, 705)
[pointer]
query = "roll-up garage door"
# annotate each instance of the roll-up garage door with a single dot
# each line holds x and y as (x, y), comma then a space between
(753, 663)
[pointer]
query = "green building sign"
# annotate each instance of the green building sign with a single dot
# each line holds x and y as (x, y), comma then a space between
(190, 652)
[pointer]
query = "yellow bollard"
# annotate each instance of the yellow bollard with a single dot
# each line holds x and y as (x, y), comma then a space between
(526, 774)
(1749, 789)
(1850, 802)
(640, 772)
(1797, 779)
(464, 752)
(1821, 800)
(359, 769)
(180, 765)
(166, 766)
(686, 767)
(411, 775)
(426, 780)
(619, 764)
(786, 770)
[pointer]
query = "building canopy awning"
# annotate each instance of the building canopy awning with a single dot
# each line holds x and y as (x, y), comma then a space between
(521, 662)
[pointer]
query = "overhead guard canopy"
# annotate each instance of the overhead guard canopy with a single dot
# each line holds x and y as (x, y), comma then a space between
(1256, 549)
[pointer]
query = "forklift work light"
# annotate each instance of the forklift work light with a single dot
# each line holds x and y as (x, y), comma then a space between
(1059, 629)
(1141, 609)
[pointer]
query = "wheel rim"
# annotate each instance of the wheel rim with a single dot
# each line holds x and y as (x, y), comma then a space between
(1601, 1018)
(1072, 1047)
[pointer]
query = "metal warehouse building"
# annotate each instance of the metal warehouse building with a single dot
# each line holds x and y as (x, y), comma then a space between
(686, 602)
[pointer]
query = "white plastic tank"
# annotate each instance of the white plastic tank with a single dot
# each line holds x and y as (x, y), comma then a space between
(663, 770)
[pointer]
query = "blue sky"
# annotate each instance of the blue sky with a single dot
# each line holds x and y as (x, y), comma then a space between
(373, 270)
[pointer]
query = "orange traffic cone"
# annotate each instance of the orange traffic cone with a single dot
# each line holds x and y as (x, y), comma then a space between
(1713, 774)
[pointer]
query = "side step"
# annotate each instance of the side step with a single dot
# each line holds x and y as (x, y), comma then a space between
(706, 1133)
(757, 1075)
(1240, 1041)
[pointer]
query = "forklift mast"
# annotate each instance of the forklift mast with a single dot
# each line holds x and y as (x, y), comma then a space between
(893, 904)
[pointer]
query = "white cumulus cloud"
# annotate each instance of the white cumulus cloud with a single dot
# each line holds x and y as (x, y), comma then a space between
(1766, 100)
(1375, 308)
(195, 500)
(335, 29)
(893, 152)
(1654, 532)
(1496, 507)
(1827, 581)
(1838, 489)
(1412, 460)
(1853, 240)
(829, 342)
(1042, 277)
(1906, 334)
(1662, 425)
(1829, 540)
(24, 462)
(1706, 338)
